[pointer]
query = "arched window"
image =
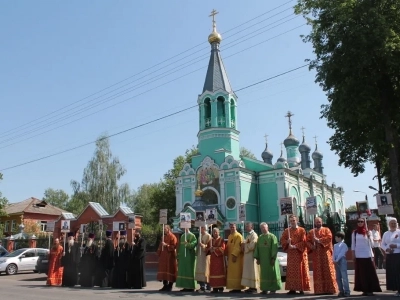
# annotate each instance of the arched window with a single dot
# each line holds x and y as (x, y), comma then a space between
(233, 114)
(221, 116)
(210, 197)
(207, 112)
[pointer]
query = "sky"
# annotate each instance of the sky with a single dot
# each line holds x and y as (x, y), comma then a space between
(73, 70)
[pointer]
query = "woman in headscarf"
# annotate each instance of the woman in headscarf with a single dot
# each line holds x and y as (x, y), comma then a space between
(391, 245)
(366, 279)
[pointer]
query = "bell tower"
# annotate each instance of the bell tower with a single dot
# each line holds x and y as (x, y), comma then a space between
(218, 136)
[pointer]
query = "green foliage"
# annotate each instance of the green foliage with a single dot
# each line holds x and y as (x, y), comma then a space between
(163, 197)
(244, 152)
(351, 208)
(357, 49)
(141, 201)
(58, 198)
(100, 181)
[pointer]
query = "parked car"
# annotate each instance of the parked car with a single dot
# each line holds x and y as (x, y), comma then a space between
(282, 258)
(22, 260)
(43, 263)
(3, 251)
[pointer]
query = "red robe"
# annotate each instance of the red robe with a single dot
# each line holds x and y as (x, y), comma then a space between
(323, 268)
(55, 271)
(297, 271)
(217, 264)
(167, 268)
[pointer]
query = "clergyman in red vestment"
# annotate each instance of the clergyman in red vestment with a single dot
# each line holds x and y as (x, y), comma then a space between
(319, 241)
(55, 271)
(167, 268)
(297, 271)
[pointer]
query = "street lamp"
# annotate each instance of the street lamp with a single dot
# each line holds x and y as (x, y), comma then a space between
(366, 196)
(372, 188)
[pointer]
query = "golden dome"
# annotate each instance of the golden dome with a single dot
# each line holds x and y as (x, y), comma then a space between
(214, 37)
(199, 192)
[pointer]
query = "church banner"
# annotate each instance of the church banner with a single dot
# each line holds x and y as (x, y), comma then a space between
(83, 228)
(362, 209)
(100, 225)
(118, 226)
(311, 206)
(185, 220)
(286, 205)
(384, 204)
(242, 212)
(163, 216)
(211, 216)
(200, 219)
(65, 226)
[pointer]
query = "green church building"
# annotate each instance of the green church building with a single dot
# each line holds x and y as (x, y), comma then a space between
(219, 177)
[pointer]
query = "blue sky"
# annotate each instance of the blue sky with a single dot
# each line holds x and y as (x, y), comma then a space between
(58, 53)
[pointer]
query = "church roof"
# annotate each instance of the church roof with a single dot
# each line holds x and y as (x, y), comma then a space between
(33, 205)
(216, 77)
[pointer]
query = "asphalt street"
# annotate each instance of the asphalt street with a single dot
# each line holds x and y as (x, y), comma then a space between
(30, 286)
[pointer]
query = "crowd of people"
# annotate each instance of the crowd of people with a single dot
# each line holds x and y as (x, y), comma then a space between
(248, 264)
(118, 264)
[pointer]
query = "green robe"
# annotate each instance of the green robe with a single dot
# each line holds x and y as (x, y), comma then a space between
(270, 275)
(186, 264)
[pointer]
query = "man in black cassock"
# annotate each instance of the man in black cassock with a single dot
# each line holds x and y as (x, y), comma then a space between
(121, 260)
(136, 272)
(88, 264)
(70, 261)
(105, 263)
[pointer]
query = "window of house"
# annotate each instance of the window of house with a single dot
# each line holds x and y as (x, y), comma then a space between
(7, 226)
(43, 225)
(13, 225)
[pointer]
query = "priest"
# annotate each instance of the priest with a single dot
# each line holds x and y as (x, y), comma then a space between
(88, 263)
(121, 260)
(70, 262)
(186, 262)
(105, 263)
(136, 272)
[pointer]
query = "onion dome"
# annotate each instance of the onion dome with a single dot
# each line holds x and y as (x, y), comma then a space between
(316, 154)
(214, 36)
(267, 155)
(304, 147)
(291, 140)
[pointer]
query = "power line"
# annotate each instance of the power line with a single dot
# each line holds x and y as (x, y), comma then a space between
(130, 90)
(147, 69)
(145, 123)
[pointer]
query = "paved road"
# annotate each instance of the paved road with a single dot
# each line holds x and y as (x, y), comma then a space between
(30, 286)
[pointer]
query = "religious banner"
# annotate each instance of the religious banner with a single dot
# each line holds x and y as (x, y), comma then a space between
(286, 205)
(200, 219)
(185, 220)
(311, 206)
(118, 226)
(385, 204)
(211, 216)
(163, 216)
(50, 226)
(362, 209)
(131, 222)
(65, 226)
(83, 228)
(242, 212)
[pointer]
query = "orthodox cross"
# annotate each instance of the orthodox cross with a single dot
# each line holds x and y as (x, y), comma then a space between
(266, 138)
(315, 138)
(208, 123)
(281, 147)
(213, 13)
(233, 123)
(289, 115)
(302, 130)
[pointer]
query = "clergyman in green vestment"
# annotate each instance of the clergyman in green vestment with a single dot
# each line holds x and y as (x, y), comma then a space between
(186, 262)
(266, 255)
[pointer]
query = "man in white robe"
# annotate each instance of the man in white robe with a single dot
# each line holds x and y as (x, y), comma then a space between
(251, 271)
(203, 260)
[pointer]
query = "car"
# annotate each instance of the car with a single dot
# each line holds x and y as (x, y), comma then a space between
(22, 260)
(282, 258)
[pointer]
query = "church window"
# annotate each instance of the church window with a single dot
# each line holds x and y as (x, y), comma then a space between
(221, 116)
(233, 114)
(207, 112)
(210, 197)
(231, 203)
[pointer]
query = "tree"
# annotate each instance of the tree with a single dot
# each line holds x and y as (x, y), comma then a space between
(58, 198)
(100, 180)
(142, 202)
(351, 208)
(244, 152)
(3, 204)
(163, 196)
(357, 48)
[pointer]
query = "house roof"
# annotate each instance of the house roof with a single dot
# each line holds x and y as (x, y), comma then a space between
(100, 211)
(127, 211)
(33, 205)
